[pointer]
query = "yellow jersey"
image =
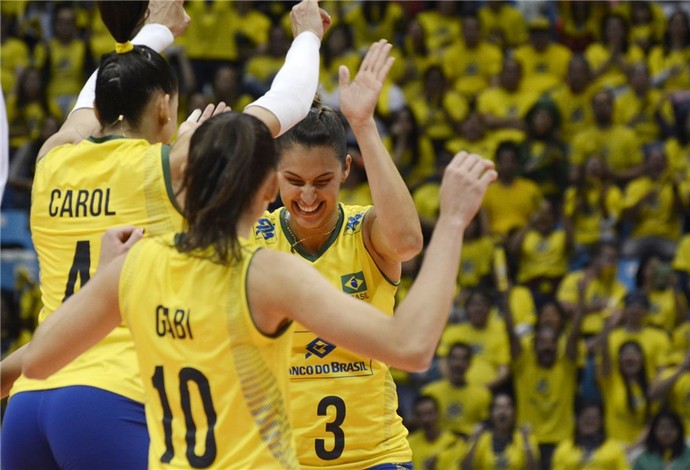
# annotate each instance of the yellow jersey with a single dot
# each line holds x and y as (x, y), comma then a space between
(512, 457)
(490, 347)
(425, 452)
(79, 191)
(216, 386)
(608, 456)
(545, 396)
(461, 407)
(343, 405)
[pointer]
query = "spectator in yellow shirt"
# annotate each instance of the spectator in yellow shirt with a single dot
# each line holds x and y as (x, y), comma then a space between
(544, 371)
(474, 137)
(429, 439)
(410, 149)
(66, 59)
(486, 335)
(639, 106)
(505, 106)
(602, 290)
(631, 326)
(618, 145)
(668, 62)
(15, 53)
(573, 98)
(501, 444)
(462, 405)
(503, 24)
(441, 24)
(578, 23)
(667, 305)
(590, 448)
(624, 386)
(261, 68)
(472, 63)
(542, 251)
(591, 209)
(439, 109)
(543, 154)
(673, 387)
(544, 62)
(681, 266)
(653, 206)
(612, 56)
(512, 199)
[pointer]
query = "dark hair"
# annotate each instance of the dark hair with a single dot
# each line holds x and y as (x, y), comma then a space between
(624, 23)
(126, 82)
(482, 293)
(681, 131)
(42, 99)
(230, 156)
(326, 53)
(667, 34)
(322, 127)
(581, 404)
(422, 398)
(461, 345)
(507, 145)
(653, 446)
(640, 378)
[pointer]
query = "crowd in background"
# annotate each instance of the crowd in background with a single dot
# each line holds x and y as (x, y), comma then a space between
(570, 336)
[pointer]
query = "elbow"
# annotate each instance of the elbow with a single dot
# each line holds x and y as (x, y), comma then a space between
(33, 369)
(418, 359)
(409, 246)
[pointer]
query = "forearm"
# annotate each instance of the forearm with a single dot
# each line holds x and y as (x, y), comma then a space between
(10, 370)
(396, 214)
(294, 87)
(424, 312)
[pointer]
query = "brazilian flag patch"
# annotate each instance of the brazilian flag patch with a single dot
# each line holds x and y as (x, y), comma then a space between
(353, 283)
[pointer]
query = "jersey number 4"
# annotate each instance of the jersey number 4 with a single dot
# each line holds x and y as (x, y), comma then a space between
(81, 266)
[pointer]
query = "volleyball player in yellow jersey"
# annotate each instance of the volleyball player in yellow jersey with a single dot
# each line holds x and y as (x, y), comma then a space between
(124, 173)
(212, 315)
(343, 404)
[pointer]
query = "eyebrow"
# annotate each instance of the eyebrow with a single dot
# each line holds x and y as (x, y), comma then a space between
(324, 175)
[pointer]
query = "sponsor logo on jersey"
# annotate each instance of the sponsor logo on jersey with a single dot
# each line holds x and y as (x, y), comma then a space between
(353, 223)
(265, 229)
(320, 348)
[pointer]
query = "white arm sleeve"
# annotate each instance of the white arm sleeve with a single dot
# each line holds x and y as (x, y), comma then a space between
(156, 36)
(294, 87)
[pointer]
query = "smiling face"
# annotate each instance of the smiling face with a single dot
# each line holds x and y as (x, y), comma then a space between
(310, 179)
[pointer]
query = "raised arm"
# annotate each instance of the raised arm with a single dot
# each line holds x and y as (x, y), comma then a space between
(392, 230)
(413, 332)
(514, 340)
(293, 88)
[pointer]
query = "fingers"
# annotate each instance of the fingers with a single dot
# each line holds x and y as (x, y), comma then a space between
(375, 56)
(194, 116)
(134, 236)
(343, 76)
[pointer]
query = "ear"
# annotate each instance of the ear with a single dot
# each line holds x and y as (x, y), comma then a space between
(164, 109)
(271, 187)
(346, 167)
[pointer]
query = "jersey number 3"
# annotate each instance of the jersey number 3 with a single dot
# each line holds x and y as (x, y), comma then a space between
(333, 427)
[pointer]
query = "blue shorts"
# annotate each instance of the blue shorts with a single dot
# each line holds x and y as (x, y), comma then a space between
(76, 428)
(393, 466)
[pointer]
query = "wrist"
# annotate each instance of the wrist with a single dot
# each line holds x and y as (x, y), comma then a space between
(154, 35)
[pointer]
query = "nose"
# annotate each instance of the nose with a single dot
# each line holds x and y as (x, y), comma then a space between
(308, 194)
